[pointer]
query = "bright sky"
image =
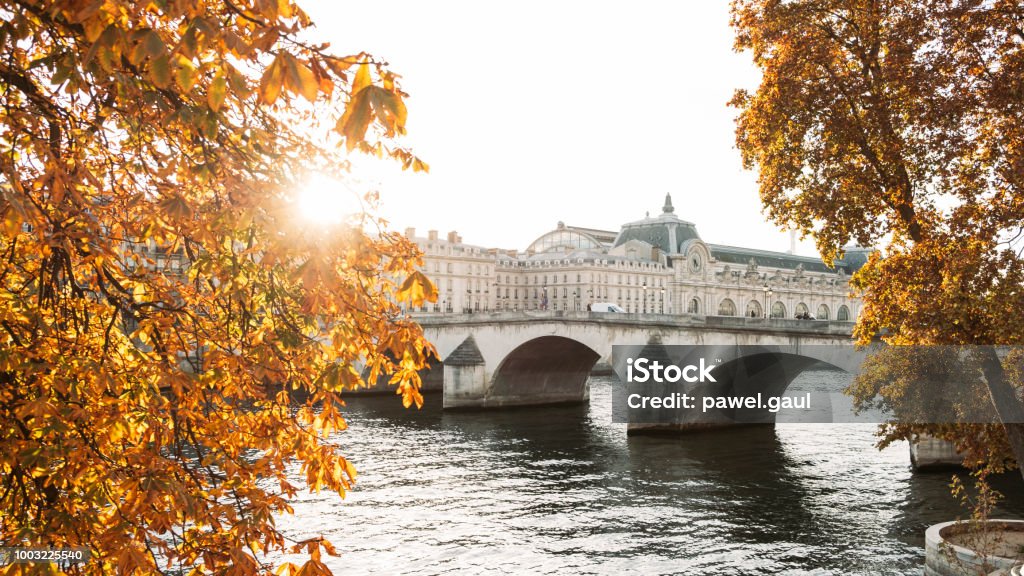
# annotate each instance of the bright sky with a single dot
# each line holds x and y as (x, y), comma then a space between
(532, 112)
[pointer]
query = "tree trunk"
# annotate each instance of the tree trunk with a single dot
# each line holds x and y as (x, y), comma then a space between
(1004, 400)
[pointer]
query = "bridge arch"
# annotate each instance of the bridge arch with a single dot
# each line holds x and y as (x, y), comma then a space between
(548, 369)
(738, 372)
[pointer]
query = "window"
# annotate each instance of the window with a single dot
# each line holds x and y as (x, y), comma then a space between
(823, 312)
(693, 307)
(778, 310)
(754, 309)
(727, 308)
(843, 315)
(802, 311)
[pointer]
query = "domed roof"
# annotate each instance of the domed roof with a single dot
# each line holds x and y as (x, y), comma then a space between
(854, 257)
(666, 231)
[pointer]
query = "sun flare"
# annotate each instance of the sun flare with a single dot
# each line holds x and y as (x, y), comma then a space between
(324, 201)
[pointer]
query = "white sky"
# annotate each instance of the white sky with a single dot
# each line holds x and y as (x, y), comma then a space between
(532, 112)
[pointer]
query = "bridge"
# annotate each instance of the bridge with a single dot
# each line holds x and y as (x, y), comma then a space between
(500, 359)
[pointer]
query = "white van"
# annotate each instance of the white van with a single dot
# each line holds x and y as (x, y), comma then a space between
(605, 307)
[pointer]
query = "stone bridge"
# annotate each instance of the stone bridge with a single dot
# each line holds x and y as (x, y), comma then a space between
(502, 359)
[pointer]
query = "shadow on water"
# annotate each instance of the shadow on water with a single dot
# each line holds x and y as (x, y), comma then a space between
(743, 470)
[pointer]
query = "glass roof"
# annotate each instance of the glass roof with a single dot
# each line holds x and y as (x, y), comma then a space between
(560, 240)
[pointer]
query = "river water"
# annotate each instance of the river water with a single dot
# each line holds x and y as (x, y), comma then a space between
(563, 490)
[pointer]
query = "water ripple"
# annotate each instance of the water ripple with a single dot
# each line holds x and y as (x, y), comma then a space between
(564, 491)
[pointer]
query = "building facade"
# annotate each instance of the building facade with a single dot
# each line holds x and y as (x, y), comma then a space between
(657, 265)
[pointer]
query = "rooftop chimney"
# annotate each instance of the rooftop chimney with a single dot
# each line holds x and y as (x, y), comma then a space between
(410, 232)
(432, 235)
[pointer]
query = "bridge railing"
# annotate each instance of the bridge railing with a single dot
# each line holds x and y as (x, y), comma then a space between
(638, 318)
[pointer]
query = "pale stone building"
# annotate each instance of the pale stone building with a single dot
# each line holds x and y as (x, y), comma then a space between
(657, 265)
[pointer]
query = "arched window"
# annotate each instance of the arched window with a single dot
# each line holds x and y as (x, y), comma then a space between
(843, 315)
(802, 311)
(822, 312)
(754, 309)
(727, 308)
(693, 307)
(778, 310)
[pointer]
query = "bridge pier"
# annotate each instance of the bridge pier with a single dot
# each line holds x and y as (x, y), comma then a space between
(465, 377)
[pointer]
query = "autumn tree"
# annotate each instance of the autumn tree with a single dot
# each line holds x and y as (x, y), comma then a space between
(172, 335)
(900, 124)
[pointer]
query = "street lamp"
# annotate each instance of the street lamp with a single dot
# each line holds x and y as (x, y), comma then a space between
(767, 291)
(575, 305)
(645, 296)
(662, 303)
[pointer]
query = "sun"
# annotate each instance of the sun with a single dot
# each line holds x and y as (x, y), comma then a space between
(324, 201)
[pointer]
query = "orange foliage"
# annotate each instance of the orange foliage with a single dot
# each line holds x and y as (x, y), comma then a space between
(172, 337)
(901, 124)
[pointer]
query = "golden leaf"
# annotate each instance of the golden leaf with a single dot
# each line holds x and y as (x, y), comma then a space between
(272, 81)
(362, 79)
(160, 71)
(185, 73)
(216, 93)
(355, 120)
(416, 289)
(301, 79)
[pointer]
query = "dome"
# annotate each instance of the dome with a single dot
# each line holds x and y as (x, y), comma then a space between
(854, 257)
(666, 231)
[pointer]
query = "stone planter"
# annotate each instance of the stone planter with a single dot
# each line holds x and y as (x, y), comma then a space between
(948, 549)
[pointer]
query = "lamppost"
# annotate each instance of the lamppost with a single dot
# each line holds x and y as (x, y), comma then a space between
(544, 299)
(645, 296)
(575, 304)
(444, 306)
(767, 291)
(661, 304)
(469, 301)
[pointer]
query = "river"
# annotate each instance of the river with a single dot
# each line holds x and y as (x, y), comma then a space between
(563, 490)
